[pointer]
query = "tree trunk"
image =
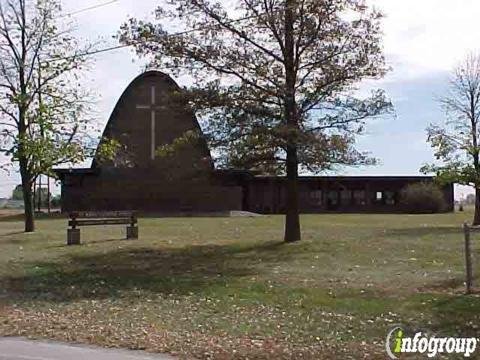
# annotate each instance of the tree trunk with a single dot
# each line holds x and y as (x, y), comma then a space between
(27, 196)
(292, 220)
(476, 217)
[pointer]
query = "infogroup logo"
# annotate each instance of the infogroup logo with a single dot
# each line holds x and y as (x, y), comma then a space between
(397, 343)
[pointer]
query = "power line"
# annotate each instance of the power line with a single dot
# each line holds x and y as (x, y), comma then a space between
(111, 48)
(89, 8)
(86, 53)
(186, 32)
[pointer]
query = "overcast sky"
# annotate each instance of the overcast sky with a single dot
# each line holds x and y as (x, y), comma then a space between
(423, 40)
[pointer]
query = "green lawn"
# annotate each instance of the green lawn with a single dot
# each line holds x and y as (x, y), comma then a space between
(229, 288)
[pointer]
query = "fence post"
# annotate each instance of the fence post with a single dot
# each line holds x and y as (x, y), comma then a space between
(468, 258)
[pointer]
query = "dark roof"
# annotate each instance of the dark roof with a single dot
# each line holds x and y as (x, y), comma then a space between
(353, 178)
(83, 171)
(233, 173)
(249, 174)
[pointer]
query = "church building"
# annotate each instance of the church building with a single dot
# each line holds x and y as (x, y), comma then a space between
(150, 114)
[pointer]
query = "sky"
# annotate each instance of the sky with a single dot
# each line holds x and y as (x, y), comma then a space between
(423, 41)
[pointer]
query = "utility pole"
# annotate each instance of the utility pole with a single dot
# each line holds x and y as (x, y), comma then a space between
(42, 132)
(39, 192)
(48, 194)
(34, 193)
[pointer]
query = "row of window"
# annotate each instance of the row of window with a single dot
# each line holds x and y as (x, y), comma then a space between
(352, 197)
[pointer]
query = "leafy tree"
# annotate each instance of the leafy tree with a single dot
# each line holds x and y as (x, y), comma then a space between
(274, 84)
(43, 108)
(17, 193)
(456, 141)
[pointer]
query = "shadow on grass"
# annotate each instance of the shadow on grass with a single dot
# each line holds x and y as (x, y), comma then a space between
(13, 217)
(451, 311)
(447, 285)
(457, 315)
(120, 239)
(11, 233)
(426, 230)
(193, 269)
(38, 216)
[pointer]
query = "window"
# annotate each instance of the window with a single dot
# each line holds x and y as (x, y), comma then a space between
(316, 197)
(359, 197)
(389, 197)
(333, 197)
(346, 197)
(379, 196)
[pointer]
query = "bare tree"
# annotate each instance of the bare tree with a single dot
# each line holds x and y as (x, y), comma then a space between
(456, 141)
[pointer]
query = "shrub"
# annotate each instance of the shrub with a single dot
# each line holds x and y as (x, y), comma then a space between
(422, 198)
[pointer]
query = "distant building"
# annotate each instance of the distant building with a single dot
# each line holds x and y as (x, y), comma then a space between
(378, 194)
(150, 114)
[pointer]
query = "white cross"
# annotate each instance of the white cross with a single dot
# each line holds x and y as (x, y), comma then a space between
(151, 107)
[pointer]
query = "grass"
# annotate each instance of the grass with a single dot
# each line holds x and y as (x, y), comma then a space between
(229, 288)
